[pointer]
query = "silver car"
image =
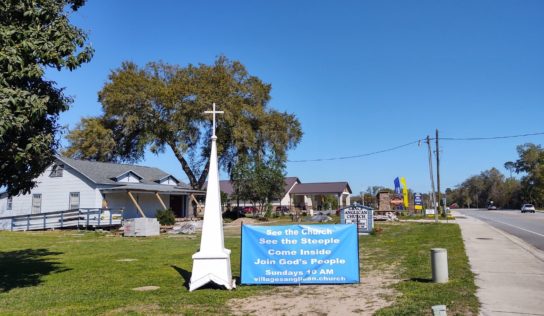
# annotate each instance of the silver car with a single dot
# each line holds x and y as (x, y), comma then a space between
(529, 208)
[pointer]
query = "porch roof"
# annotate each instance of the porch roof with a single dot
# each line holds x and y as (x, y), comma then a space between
(152, 188)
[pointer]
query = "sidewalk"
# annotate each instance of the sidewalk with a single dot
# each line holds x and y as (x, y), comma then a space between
(509, 272)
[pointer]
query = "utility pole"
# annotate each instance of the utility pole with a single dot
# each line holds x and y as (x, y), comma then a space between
(438, 175)
(432, 177)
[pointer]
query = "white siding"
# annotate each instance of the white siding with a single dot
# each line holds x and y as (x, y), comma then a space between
(286, 200)
(130, 177)
(55, 193)
(169, 181)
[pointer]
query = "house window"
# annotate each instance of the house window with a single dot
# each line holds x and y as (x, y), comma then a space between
(56, 171)
(73, 202)
(36, 203)
(9, 205)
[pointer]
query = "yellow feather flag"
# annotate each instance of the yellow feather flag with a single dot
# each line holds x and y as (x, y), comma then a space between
(404, 191)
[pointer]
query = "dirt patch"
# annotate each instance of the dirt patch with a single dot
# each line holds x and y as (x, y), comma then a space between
(374, 292)
(146, 288)
(246, 220)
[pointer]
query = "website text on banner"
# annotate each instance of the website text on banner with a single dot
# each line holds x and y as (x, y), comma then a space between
(300, 254)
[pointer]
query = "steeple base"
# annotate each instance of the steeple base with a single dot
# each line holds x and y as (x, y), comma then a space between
(214, 268)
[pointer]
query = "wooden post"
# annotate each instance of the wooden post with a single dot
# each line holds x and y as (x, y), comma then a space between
(136, 204)
(197, 204)
(160, 200)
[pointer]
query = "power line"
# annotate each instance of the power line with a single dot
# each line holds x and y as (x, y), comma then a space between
(359, 156)
(490, 138)
(417, 142)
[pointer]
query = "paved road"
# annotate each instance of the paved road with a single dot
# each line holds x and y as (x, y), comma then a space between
(527, 226)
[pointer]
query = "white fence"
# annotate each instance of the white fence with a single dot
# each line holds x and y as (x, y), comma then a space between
(80, 218)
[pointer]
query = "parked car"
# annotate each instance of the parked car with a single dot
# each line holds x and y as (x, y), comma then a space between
(528, 208)
(250, 209)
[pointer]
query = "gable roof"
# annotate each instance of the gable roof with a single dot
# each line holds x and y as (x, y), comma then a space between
(289, 183)
(321, 188)
(127, 173)
(226, 185)
(168, 176)
(105, 172)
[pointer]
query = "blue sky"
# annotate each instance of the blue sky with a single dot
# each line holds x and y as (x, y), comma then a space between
(361, 76)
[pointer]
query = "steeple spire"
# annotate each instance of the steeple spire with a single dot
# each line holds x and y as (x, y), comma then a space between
(212, 262)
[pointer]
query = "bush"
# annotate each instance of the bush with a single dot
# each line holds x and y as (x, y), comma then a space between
(166, 217)
(232, 214)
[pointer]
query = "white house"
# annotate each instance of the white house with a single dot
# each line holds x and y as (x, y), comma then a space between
(79, 184)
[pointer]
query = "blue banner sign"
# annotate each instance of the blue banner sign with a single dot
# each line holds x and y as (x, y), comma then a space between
(418, 202)
(361, 215)
(300, 254)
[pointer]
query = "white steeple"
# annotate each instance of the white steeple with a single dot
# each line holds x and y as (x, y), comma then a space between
(212, 262)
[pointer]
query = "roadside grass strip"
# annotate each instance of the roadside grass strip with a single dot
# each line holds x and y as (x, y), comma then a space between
(408, 248)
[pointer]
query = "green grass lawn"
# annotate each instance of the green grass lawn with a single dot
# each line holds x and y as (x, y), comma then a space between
(406, 248)
(71, 272)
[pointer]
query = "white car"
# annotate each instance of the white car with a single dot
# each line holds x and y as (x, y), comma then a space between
(529, 208)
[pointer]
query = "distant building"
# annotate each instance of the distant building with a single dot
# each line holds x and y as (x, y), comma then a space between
(303, 196)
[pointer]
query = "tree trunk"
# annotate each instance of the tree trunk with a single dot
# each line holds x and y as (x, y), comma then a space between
(185, 166)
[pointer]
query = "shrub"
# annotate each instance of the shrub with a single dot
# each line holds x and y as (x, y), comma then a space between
(166, 217)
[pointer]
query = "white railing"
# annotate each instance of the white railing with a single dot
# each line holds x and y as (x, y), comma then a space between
(78, 218)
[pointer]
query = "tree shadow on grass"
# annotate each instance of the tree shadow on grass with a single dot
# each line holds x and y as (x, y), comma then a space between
(421, 280)
(186, 276)
(22, 268)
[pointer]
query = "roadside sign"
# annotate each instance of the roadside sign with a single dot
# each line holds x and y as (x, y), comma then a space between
(363, 216)
(299, 254)
(418, 201)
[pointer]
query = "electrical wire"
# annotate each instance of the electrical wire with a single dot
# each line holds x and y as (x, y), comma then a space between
(419, 141)
(490, 138)
(361, 155)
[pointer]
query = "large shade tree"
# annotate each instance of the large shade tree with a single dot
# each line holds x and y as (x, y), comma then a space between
(34, 35)
(162, 106)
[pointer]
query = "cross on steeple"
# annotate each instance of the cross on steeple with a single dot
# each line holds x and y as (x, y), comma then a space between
(213, 112)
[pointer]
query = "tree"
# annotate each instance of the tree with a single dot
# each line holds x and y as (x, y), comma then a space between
(92, 140)
(34, 35)
(489, 185)
(162, 106)
(531, 163)
(257, 181)
(510, 166)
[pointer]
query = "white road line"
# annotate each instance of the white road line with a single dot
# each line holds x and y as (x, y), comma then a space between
(529, 231)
